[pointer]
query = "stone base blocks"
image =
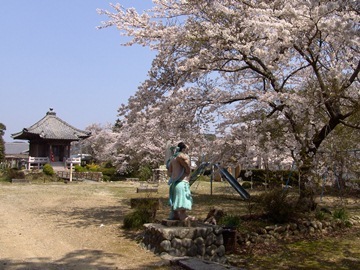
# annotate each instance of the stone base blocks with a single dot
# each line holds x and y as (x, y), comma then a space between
(198, 240)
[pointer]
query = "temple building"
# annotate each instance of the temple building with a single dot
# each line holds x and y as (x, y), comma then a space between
(51, 137)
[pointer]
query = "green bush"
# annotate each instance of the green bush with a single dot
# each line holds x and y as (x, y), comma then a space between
(230, 221)
(246, 185)
(108, 164)
(79, 168)
(145, 212)
(106, 178)
(14, 174)
(145, 173)
(136, 219)
(110, 172)
(48, 170)
(93, 167)
(277, 205)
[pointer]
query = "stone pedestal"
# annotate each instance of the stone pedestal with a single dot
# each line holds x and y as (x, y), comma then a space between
(160, 175)
(178, 239)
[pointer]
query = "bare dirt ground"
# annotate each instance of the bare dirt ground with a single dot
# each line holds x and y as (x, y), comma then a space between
(59, 226)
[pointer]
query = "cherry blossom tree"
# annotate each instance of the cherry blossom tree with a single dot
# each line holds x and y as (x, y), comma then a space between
(104, 146)
(271, 76)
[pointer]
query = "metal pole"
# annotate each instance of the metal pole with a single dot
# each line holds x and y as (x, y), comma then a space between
(211, 179)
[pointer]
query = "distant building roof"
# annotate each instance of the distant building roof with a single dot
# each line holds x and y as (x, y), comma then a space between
(53, 128)
(16, 148)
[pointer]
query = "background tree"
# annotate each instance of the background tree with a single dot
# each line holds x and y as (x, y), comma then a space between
(245, 67)
(104, 145)
(339, 156)
(2, 143)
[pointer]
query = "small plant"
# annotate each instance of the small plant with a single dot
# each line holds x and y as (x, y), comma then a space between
(230, 221)
(320, 215)
(48, 170)
(341, 214)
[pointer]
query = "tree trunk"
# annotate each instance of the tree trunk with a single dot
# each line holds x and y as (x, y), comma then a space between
(339, 174)
(306, 200)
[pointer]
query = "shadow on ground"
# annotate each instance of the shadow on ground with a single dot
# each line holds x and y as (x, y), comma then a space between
(76, 260)
(85, 217)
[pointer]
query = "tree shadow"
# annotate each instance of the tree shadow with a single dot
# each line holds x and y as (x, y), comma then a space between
(76, 260)
(84, 217)
(79, 259)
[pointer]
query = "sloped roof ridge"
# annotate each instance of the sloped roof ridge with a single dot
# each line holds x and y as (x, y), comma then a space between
(52, 127)
(53, 115)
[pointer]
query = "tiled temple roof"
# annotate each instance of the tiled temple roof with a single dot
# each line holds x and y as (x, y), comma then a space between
(53, 128)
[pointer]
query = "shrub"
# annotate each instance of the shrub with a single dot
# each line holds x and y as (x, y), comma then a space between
(93, 167)
(246, 185)
(145, 173)
(230, 221)
(145, 212)
(106, 178)
(110, 172)
(14, 174)
(108, 164)
(137, 218)
(79, 168)
(277, 205)
(48, 170)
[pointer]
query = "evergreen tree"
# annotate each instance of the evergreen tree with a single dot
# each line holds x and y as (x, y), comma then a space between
(2, 143)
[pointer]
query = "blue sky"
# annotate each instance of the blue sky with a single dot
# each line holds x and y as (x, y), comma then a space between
(52, 55)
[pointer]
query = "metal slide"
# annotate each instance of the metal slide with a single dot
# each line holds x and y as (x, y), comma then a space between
(199, 171)
(235, 184)
(224, 173)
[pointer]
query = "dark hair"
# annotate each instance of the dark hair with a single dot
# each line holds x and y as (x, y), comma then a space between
(181, 146)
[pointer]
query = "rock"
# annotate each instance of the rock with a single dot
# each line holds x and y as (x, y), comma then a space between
(176, 243)
(186, 242)
(261, 231)
(165, 245)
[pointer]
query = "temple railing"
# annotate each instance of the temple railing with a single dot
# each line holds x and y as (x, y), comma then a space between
(37, 162)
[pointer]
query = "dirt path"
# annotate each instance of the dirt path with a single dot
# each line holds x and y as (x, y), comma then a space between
(58, 226)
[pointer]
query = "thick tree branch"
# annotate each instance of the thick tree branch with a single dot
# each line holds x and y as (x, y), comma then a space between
(349, 125)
